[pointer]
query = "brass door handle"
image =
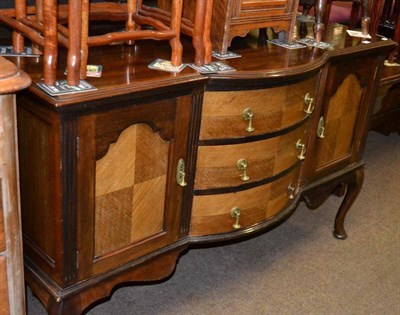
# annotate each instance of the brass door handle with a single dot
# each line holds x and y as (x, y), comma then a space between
(235, 213)
(301, 147)
(248, 115)
(291, 191)
(309, 101)
(242, 165)
(180, 173)
(321, 128)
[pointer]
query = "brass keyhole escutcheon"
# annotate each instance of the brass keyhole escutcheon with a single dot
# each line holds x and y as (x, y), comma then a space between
(248, 115)
(242, 165)
(309, 101)
(301, 147)
(235, 213)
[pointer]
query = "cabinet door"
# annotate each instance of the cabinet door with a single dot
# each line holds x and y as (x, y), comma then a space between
(129, 201)
(347, 101)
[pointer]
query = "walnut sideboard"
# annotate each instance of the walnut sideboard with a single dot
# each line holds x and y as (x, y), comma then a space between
(117, 182)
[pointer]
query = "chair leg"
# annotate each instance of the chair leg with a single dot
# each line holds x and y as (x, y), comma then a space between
(176, 46)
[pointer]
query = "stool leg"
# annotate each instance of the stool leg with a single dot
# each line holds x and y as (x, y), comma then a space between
(176, 46)
(50, 41)
(320, 16)
(18, 39)
(365, 20)
(39, 16)
(207, 32)
(84, 39)
(198, 30)
(74, 41)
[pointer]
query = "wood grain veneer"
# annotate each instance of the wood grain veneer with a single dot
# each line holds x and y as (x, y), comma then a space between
(216, 165)
(160, 114)
(274, 109)
(211, 214)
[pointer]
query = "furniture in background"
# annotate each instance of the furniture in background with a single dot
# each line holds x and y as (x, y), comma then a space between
(117, 183)
(12, 292)
(238, 17)
(385, 21)
(323, 9)
(45, 26)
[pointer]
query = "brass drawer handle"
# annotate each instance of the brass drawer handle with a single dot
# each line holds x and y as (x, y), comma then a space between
(248, 115)
(291, 191)
(309, 101)
(242, 166)
(301, 147)
(235, 213)
(180, 173)
(321, 128)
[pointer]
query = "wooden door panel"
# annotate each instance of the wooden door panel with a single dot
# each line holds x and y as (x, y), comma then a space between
(129, 203)
(130, 190)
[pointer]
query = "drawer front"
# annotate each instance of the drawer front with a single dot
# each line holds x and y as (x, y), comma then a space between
(234, 165)
(211, 214)
(226, 114)
(262, 7)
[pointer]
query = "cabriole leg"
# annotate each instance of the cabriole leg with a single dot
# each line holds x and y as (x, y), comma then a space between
(353, 188)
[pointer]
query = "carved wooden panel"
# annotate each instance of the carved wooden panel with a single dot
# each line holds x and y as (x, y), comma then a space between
(211, 214)
(217, 165)
(4, 301)
(274, 109)
(340, 120)
(130, 189)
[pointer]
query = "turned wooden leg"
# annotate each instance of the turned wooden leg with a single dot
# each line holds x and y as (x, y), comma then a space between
(198, 29)
(320, 13)
(74, 41)
(50, 41)
(365, 20)
(353, 188)
(207, 32)
(176, 45)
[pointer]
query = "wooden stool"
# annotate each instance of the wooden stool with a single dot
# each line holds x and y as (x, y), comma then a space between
(45, 26)
(196, 23)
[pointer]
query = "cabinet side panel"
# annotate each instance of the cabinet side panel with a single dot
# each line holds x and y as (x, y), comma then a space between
(37, 182)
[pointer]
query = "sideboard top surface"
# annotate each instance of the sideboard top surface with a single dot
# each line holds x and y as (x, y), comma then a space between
(125, 68)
